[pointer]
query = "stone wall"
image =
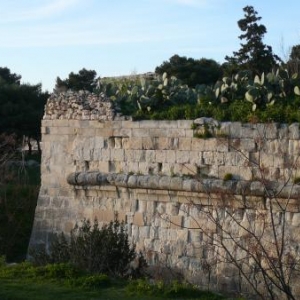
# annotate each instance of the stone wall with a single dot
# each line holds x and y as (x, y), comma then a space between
(168, 185)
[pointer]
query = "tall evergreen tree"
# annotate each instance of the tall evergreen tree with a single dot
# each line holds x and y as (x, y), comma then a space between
(253, 55)
(293, 64)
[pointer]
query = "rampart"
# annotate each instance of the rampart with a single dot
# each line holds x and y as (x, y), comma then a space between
(169, 185)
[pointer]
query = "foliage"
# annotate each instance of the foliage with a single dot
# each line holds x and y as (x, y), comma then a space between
(191, 71)
(146, 97)
(270, 97)
(83, 80)
(293, 63)
(253, 55)
(18, 196)
(8, 77)
(21, 108)
(172, 290)
(25, 281)
(92, 249)
(17, 206)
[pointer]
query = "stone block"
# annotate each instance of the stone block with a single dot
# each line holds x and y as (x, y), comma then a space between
(208, 157)
(117, 155)
(149, 124)
(160, 156)
(182, 157)
(238, 158)
(135, 143)
(47, 123)
(235, 130)
(247, 145)
(167, 124)
(144, 232)
(198, 144)
(138, 219)
(89, 132)
(294, 133)
(266, 160)
(140, 133)
(268, 130)
(184, 124)
(189, 169)
(222, 144)
(185, 144)
(189, 133)
(105, 155)
(104, 132)
(294, 147)
(171, 156)
(148, 143)
(248, 131)
(130, 124)
(98, 142)
(176, 222)
(177, 133)
(118, 142)
(122, 132)
(196, 158)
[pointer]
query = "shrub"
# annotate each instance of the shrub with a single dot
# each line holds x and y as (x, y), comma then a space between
(92, 282)
(173, 290)
(93, 249)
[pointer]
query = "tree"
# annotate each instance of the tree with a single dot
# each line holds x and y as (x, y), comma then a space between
(21, 110)
(293, 64)
(191, 71)
(8, 77)
(253, 55)
(84, 80)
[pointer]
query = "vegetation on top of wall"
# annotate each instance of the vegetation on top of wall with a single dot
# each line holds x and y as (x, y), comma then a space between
(274, 96)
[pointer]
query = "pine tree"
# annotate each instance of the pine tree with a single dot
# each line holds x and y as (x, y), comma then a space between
(253, 55)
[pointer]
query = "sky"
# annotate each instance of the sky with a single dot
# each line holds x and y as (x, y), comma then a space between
(45, 39)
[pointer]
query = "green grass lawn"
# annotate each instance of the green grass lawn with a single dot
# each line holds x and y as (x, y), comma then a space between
(52, 282)
(16, 289)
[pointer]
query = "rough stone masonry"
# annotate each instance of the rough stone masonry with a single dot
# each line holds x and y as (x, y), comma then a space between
(172, 188)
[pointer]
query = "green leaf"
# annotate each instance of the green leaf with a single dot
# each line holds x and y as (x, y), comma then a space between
(249, 97)
(269, 96)
(165, 81)
(135, 90)
(297, 90)
(256, 79)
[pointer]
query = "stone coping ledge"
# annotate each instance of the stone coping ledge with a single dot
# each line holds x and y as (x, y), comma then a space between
(178, 183)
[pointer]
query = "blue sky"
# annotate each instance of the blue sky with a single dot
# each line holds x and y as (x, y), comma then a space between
(43, 39)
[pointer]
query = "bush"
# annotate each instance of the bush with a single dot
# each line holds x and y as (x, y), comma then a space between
(173, 290)
(93, 249)
(92, 282)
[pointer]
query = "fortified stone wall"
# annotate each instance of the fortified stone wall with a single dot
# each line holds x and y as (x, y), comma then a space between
(167, 183)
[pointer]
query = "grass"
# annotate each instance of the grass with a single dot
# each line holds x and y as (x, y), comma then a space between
(20, 289)
(25, 282)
